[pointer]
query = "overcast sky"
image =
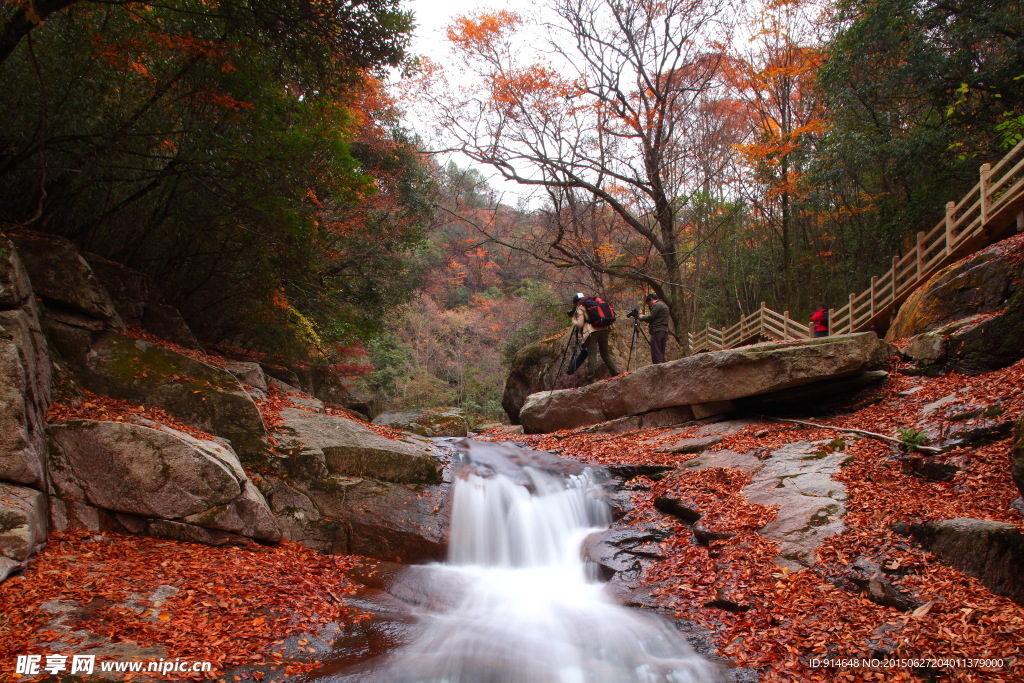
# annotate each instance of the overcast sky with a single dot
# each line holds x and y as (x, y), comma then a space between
(432, 16)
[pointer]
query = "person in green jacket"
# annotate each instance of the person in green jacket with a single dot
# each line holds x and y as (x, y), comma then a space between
(658, 320)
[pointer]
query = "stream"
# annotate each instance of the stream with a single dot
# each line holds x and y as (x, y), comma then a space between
(516, 601)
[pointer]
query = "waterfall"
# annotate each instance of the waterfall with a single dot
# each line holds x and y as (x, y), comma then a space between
(522, 606)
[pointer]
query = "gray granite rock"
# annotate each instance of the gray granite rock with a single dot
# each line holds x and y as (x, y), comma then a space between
(705, 378)
(23, 526)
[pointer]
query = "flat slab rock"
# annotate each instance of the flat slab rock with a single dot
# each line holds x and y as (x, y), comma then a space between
(705, 378)
(352, 449)
(694, 444)
(798, 479)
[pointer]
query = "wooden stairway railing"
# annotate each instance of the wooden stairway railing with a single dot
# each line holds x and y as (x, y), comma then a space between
(992, 210)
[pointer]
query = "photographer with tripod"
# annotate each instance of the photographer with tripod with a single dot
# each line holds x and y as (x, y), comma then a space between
(593, 318)
(658, 321)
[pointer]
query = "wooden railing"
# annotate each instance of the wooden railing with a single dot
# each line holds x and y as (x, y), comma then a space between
(992, 210)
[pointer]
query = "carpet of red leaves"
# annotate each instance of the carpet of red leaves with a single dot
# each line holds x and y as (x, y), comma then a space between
(817, 613)
(196, 354)
(96, 407)
(233, 606)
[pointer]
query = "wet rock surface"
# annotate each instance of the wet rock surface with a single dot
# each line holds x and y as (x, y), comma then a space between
(622, 553)
(879, 584)
(374, 649)
(798, 479)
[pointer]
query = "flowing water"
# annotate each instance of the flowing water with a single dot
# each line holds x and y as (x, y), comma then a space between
(520, 603)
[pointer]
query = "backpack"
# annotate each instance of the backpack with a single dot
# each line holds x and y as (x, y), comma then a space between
(599, 312)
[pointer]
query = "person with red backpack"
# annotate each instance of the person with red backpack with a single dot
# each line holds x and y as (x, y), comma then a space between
(594, 317)
(819, 320)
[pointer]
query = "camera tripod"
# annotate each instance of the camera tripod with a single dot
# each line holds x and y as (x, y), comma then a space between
(632, 357)
(579, 354)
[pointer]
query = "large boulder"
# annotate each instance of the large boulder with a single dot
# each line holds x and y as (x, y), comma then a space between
(152, 471)
(166, 322)
(970, 315)
(345, 489)
(199, 394)
(706, 378)
(427, 421)
(64, 279)
(24, 376)
(541, 366)
(323, 381)
(992, 552)
(22, 526)
(129, 289)
(531, 371)
(349, 448)
(15, 287)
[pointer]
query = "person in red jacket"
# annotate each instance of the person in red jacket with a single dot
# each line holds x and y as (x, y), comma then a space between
(820, 321)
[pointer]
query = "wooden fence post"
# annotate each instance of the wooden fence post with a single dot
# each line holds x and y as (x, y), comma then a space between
(785, 326)
(831, 317)
(984, 172)
(871, 299)
(895, 267)
(849, 320)
(760, 321)
(920, 254)
(950, 210)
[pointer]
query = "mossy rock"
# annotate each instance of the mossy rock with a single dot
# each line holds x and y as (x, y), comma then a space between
(531, 371)
(199, 394)
(993, 343)
(980, 283)
(427, 422)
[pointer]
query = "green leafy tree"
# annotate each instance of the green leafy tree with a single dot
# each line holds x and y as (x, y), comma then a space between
(244, 154)
(915, 93)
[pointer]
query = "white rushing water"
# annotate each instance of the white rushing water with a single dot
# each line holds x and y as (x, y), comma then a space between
(523, 607)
